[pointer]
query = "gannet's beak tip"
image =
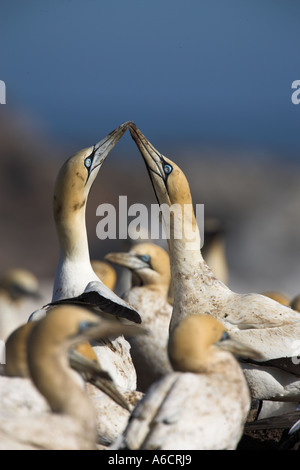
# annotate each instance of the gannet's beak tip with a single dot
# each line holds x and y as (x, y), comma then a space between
(127, 124)
(133, 129)
(138, 137)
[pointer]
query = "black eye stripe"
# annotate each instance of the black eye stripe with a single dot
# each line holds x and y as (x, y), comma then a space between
(88, 163)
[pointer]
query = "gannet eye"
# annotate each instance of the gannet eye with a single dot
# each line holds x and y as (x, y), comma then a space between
(224, 336)
(87, 162)
(145, 258)
(167, 169)
(85, 325)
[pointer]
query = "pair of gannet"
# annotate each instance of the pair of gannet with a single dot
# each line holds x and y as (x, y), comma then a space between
(203, 404)
(75, 280)
(151, 276)
(72, 422)
(257, 321)
(16, 286)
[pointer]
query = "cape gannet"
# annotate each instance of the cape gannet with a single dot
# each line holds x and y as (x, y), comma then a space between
(255, 320)
(75, 280)
(151, 276)
(72, 423)
(203, 404)
(83, 359)
(16, 286)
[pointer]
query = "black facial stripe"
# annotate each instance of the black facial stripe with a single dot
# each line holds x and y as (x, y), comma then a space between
(90, 168)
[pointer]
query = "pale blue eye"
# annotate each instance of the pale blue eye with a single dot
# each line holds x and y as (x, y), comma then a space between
(145, 258)
(87, 162)
(167, 169)
(224, 336)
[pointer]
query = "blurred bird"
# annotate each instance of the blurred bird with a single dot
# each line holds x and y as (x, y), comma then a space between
(213, 249)
(72, 423)
(151, 276)
(295, 303)
(75, 280)
(105, 272)
(255, 320)
(16, 285)
(278, 296)
(203, 404)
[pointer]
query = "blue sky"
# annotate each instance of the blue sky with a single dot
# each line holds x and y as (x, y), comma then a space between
(203, 71)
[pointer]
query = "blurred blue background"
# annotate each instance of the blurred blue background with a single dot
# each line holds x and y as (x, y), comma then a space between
(199, 71)
(207, 81)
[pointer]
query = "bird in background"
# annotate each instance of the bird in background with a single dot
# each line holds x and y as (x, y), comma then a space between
(17, 286)
(150, 280)
(253, 319)
(75, 280)
(203, 403)
(280, 297)
(105, 272)
(71, 423)
(214, 248)
(295, 303)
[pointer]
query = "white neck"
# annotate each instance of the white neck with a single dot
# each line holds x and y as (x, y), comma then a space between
(74, 270)
(191, 277)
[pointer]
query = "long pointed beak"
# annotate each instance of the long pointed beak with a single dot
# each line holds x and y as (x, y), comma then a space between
(151, 156)
(239, 349)
(127, 260)
(105, 145)
(154, 161)
(99, 377)
(105, 329)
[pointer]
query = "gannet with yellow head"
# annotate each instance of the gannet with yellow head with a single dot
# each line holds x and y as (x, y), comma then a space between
(72, 423)
(150, 268)
(203, 404)
(75, 275)
(75, 280)
(255, 320)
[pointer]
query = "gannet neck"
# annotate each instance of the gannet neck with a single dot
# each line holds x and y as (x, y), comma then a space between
(50, 371)
(69, 206)
(16, 351)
